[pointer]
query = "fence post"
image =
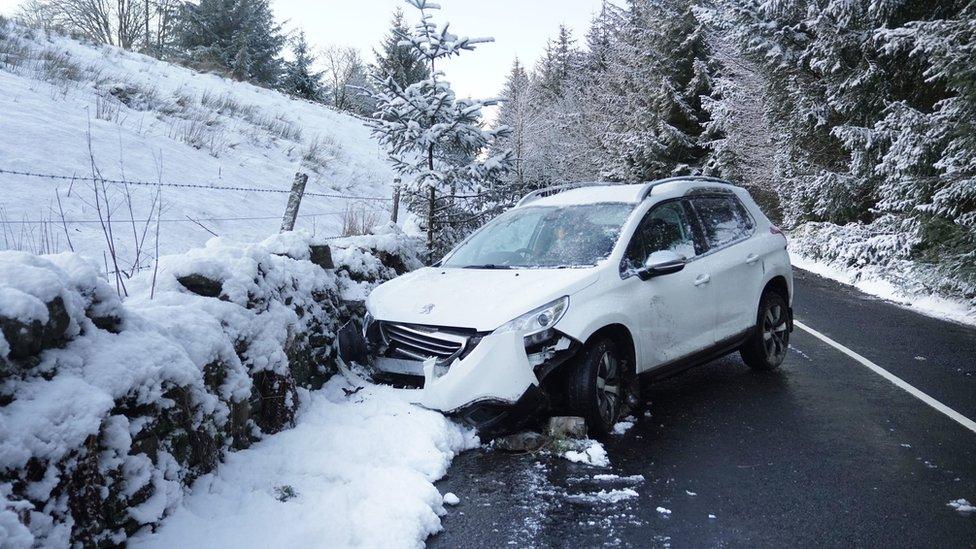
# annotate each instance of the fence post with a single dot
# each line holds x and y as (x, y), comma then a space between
(431, 204)
(294, 201)
(396, 200)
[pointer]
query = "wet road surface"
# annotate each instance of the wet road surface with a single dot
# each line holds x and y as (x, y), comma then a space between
(823, 452)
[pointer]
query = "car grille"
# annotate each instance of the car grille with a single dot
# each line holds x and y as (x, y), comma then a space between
(422, 342)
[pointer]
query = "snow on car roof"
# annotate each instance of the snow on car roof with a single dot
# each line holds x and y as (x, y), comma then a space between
(593, 195)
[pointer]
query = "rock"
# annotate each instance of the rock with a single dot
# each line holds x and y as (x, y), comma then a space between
(567, 427)
(201, 285)
(321, 255)
(27, 339)
(526, 441)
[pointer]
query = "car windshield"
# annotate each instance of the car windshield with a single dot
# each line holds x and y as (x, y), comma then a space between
(544, 237)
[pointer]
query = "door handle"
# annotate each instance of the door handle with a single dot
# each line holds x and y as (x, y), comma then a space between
(751, 259)
(703, 279)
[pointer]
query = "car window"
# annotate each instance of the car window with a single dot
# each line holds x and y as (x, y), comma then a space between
(579, 235)
(723, 219)
(665, 227)
(512, 233)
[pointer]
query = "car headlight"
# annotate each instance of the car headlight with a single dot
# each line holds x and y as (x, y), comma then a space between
(538, 320)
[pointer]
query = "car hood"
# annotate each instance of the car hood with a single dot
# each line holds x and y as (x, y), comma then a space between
(482, 299)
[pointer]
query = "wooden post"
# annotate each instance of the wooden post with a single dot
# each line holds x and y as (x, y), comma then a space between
(294, 201)
(396, 200)
(431, 204)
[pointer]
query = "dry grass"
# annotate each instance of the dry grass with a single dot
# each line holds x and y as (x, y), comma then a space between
(359, 220)
(321, 153)
(38, 236)
(226, 104)
(201, 133)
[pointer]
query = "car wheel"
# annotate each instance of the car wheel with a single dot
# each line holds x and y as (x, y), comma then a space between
(597, 386)
(770, 340)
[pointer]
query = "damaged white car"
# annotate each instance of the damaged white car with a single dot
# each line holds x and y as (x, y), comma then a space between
(561, 302)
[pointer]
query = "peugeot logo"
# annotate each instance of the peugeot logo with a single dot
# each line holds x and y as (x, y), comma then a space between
(426, 309)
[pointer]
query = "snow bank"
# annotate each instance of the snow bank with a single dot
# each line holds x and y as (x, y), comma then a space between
(108, 409)
(154, 121)
(873, 259)
(359, 468)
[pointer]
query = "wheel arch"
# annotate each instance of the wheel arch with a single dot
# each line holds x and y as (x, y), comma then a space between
(779, 285)
(622, 338)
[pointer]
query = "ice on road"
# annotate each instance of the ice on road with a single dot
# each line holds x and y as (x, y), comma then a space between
(357, 470)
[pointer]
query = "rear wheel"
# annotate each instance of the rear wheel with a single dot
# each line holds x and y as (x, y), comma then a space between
(598, 387)
(770, 340)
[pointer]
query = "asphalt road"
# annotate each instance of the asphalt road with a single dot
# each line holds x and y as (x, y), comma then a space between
(824, 452)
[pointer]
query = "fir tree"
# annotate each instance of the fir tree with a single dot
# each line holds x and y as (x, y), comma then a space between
(238, 36)
(396, 60)
(299, 79)
(434, 139)
(514, 114)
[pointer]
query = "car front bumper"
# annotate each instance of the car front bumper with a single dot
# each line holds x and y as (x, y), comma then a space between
(493, 388)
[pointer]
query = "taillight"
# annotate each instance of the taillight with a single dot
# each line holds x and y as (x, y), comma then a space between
(777, 231)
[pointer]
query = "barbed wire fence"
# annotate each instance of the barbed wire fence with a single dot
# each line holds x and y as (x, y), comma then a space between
(42, 235)
(440, 210)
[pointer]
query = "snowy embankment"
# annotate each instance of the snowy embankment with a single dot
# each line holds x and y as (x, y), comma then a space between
(855, 255)
(109, 410)
(356, 471)
(151, 121)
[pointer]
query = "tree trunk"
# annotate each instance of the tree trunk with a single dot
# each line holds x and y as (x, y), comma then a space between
(431, 202)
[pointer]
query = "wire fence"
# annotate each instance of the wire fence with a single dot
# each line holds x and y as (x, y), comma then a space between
(204, 186)
(362, 203)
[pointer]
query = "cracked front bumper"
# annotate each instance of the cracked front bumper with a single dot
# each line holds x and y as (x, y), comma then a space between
(494, 387)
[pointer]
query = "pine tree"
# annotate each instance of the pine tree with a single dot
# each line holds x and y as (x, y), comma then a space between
(399, 61)
(238, 36)
(299, 79)
(434, 139)
(561, 60)
(657, 70)
(514, 114)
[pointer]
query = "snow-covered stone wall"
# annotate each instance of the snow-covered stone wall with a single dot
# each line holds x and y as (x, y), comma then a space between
(109, 408)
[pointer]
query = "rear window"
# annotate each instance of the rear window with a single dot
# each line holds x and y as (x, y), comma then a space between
(724, 220)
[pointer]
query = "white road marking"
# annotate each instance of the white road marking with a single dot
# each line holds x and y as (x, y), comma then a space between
(899, 382)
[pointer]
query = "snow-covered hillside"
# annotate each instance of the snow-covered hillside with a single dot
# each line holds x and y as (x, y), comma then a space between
(152, 121)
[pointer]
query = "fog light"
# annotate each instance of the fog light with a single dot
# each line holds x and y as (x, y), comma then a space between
(538, 337)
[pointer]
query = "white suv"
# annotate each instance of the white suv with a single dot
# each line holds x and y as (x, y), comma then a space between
(560, 302)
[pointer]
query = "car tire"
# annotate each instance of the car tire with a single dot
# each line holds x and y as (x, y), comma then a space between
(770, 341)
(597, 386)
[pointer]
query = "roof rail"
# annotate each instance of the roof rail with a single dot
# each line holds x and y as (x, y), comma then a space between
(556, 189)
(702, 178)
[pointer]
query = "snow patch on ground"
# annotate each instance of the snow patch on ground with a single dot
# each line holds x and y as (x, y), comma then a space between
(604, 496)
(361, 468)
(621, 427)
(962, 505)
(870, 281)
(451, 498)
(593, 454)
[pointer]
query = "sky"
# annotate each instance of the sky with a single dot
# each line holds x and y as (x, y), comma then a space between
(520, 29)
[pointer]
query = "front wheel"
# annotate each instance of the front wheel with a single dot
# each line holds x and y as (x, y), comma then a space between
(597, 386)
(766, 348)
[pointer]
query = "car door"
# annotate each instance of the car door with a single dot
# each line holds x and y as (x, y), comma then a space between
(736, 268)
(675, 311)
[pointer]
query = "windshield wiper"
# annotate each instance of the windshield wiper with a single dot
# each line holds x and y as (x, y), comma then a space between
(487, 266)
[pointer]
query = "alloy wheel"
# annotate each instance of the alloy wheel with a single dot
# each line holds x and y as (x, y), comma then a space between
(608, 387)
(776, 334)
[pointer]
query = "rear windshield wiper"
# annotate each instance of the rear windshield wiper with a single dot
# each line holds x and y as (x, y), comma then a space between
(487, 266)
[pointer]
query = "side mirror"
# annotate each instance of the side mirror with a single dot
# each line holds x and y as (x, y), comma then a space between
(661, 263)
